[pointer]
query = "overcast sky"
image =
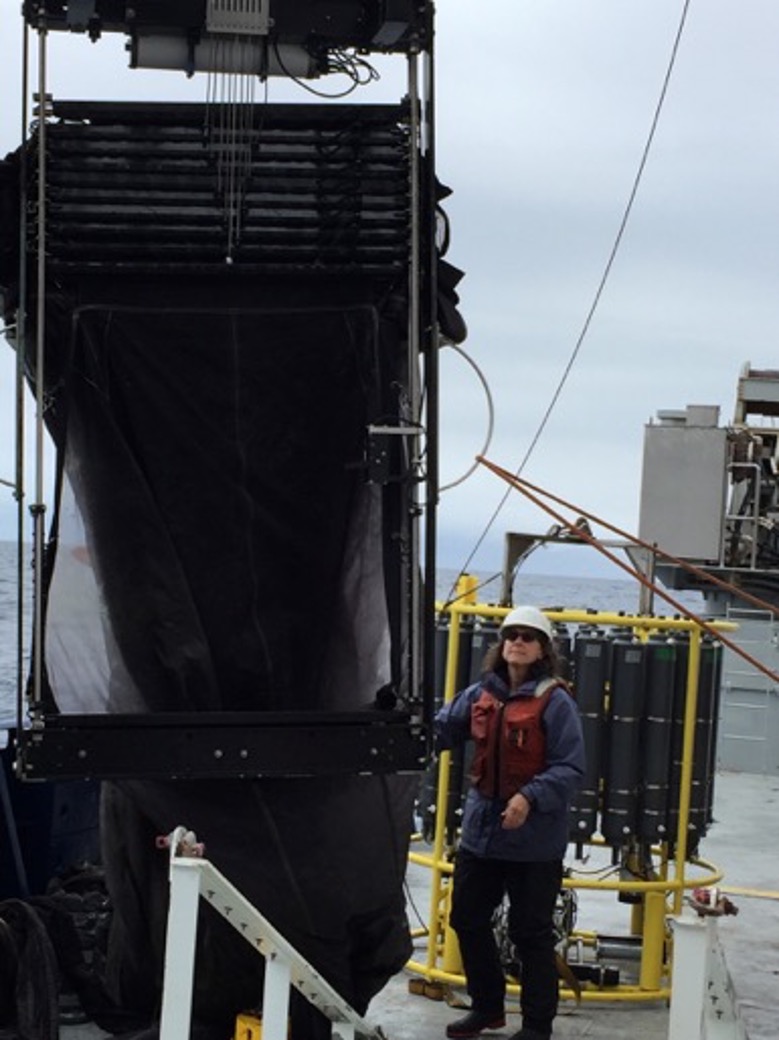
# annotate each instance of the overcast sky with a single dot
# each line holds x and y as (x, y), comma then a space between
(543, 109)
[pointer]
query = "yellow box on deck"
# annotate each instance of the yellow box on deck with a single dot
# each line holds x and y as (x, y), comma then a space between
(248, 1026)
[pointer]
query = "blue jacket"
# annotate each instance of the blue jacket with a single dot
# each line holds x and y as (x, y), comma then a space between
(544, 835)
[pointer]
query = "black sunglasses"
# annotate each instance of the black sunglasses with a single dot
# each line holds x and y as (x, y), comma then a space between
(525, 635)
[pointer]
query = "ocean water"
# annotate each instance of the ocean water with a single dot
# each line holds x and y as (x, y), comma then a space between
(9, 606)
(569, 591)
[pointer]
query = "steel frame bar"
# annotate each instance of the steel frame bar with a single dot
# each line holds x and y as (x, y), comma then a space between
(192, 878)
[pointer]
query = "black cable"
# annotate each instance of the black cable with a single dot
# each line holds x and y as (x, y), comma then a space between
(344, 64)
(599, 290)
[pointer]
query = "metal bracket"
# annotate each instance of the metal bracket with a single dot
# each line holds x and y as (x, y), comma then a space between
(703, 1004)
(212, 745)
(79, 14)
(380, 468)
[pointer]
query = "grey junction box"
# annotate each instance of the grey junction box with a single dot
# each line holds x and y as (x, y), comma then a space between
(683, 483)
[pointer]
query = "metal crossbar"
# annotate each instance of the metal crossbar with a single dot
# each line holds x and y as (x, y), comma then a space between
(193, 877)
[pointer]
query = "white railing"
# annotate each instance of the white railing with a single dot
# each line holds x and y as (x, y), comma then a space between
(191, 878)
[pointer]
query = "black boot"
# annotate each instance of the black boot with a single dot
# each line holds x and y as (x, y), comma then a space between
(475, 1022)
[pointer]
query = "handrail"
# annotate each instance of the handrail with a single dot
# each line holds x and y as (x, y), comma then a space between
(193, 877)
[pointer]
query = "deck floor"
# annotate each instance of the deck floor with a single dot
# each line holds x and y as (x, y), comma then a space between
(743, 841)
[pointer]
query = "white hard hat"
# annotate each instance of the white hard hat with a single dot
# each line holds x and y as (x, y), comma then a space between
(527, 617)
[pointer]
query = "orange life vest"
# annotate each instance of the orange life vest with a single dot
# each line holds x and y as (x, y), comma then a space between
(510, 744)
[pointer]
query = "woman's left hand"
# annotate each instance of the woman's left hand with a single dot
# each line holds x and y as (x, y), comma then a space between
(516, 812)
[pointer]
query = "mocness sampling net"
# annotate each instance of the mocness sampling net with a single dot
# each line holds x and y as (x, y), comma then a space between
(228, 533)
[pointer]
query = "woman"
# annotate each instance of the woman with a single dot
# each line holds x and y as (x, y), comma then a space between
(528, 759)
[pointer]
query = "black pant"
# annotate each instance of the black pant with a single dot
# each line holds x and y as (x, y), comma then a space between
(532, 888)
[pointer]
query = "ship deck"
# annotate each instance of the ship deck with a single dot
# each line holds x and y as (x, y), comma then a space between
(742, 842)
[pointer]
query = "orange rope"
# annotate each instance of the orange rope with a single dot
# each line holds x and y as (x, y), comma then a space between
(523, 486)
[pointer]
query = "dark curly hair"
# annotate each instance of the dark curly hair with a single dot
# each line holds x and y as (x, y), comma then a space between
(548, 665)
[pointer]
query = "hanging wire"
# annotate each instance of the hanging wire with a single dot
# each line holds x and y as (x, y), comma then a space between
(490, 416)
(230, 99)
(229, 130)
(600, 288)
